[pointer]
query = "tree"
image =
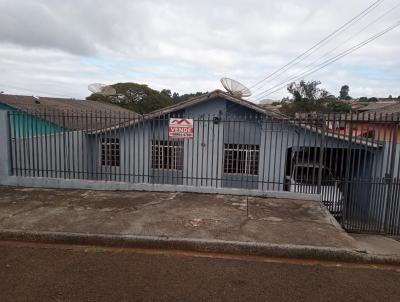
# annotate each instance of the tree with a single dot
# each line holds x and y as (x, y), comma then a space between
(344, 93)
(373, 99)
(363, 99)
(338, 107)
(175, 97)
(306, 97)
(142, 99)
(308, 91)
(166, 92)
(136, 97)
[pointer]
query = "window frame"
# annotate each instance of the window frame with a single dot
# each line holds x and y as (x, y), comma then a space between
(110, 152)
(237, 164)
(171, 157)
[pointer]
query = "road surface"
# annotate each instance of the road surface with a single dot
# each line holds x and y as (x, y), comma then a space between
(40, 272)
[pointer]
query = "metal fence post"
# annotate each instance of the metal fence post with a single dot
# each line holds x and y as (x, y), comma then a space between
(321, 155)
(390, 176)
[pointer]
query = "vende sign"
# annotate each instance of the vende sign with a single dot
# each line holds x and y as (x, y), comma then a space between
(180, 128)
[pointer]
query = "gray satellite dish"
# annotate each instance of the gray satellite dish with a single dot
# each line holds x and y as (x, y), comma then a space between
(235, 88)
(102, 89)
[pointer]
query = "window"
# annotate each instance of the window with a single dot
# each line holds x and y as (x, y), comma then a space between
(368, 134)
(308, 175)
(110, 152)
(167, 155)
(241, 159)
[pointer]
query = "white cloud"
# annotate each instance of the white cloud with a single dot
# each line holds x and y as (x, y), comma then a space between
(58, 47)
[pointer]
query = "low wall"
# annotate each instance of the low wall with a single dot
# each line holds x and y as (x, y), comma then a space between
(40, 182)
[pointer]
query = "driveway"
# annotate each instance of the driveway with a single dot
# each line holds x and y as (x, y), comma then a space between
(178, 215)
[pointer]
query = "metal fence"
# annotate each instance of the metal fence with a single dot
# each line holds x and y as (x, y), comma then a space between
(351, 160)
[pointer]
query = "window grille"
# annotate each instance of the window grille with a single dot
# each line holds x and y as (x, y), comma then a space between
(110, 155)
(241, 159)
(167, 155)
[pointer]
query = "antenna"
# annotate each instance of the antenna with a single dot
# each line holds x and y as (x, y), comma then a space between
(235, 88)
(102, 89)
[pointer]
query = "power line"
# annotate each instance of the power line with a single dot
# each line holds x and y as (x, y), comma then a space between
(344, 42)
(353, 36)
(328, 62)
(324, 40)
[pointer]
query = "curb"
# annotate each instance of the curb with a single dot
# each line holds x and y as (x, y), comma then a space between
(200, 245)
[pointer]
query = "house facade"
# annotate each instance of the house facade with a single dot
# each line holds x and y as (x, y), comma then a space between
(235, 144)
(230, 146)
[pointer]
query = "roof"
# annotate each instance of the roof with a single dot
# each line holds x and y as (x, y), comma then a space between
(214, 94)
(376, 106)
(224, 95)
(192, 102)
(390, 109)
(68, 113)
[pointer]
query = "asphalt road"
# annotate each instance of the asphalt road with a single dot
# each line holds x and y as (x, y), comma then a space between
(37, 272)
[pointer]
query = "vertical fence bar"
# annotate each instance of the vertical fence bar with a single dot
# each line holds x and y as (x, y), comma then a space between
(391, 175)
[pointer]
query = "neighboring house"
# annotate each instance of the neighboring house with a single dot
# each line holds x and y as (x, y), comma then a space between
(374, 122)
(44, 115)
(372, 106)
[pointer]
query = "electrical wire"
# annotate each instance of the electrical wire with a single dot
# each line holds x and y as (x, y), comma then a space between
(301, 57)
(328, 62)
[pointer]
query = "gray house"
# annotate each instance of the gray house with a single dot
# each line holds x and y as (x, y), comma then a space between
(235, 144)
(215, 143)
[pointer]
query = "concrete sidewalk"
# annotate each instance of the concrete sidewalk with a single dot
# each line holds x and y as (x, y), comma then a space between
(172, 215)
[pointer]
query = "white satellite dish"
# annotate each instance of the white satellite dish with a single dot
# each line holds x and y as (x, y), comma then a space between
(235, 88)
(102, 89)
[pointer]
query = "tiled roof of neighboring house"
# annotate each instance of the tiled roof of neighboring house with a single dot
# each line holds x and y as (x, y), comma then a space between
(375, 106)
(69, 113)
(384, 112)
(390, 109)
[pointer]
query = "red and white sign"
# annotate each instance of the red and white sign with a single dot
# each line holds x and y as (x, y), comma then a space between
(180, 128)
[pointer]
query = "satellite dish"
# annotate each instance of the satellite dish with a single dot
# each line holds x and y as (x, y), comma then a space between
(235, 88)
(102, 89)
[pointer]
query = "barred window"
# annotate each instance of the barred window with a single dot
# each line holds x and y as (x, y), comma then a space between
(241, 159)
(167, 155)
(110, 152)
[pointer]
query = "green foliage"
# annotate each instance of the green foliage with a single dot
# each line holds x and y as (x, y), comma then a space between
(344, 93)
(338, 107)
(373, 99)
(141, 98)
(136, 97)
(176, 98)
(363, 99)
(306, 91)
(306, 97)
(290, 109)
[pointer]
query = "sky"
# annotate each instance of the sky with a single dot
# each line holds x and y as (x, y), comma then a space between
(57, 47)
